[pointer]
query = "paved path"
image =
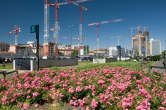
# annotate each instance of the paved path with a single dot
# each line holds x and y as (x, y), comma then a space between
(159, 67)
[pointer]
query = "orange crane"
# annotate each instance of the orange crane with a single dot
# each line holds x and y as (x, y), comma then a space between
(103, 22)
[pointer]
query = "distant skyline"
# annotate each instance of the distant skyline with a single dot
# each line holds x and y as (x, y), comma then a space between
(150, 13)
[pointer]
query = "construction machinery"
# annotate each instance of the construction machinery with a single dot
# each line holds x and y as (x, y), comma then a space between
(56, 25)
(15, 31)
(103, 22)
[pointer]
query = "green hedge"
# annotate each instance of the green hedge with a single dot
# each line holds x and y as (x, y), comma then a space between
(154, 58)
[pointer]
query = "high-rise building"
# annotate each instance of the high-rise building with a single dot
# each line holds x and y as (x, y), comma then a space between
(140, 43)
(155, 47)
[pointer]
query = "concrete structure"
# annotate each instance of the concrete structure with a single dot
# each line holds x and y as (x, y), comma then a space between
(65, 50)
(30, 63)
(25, 49)
(21, 49)
(104, 60)
(155, 47)
(48, 49)
(4, 47)
(140, 43)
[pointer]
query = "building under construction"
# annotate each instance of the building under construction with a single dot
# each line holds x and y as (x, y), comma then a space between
(140, 43)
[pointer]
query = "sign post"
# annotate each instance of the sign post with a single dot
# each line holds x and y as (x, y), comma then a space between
(35, 29)
(119, 51)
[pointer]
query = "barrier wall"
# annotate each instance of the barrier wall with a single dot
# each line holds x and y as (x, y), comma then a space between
(30, 64)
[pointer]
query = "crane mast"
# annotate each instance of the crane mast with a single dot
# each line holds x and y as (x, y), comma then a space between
(102, 22)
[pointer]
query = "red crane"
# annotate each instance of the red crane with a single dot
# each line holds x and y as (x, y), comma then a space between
(16, 31)
(103, 22)
(81, 14)
(56, 26)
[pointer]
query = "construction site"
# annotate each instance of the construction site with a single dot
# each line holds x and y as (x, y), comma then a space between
(51, 47)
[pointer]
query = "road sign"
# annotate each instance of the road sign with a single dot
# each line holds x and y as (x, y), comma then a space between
(33, 28)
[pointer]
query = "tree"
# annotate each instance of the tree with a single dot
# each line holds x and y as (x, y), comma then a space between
(74, 53)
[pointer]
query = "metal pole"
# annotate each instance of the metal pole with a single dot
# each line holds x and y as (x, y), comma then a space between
(80, 36)
(37, 40)
(56, 29)
(80, 25)
(98, 40)
(46, 22)
(16, 39)
(16, 35)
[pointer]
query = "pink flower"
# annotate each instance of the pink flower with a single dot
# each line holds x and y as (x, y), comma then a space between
(101, 82)
(28, 97)
(164, 102)
(161, 108)
(29, 91)
(71, 102)
(144, 105)
(19, 85)
(4, 100)
(143, 91)
(94, 103)
(78, 89)
(139, 81)
(71, 90)
(35, 94)
(26, 106)
(36, 105)
(155, 71)
(13, 100)
(19, 104)
(27, 85)
(87, 108)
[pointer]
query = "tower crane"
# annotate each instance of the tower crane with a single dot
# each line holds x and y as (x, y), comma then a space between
(82, 8)
(103, 22)
(81, 14)
(56, 26)
(16, 31)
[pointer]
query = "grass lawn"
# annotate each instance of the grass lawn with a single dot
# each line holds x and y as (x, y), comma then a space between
(7, 66)
(137, 66)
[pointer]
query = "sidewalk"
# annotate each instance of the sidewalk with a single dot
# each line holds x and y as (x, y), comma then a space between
(159, 67)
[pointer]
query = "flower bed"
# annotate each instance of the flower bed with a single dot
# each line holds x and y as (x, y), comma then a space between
(105, 88)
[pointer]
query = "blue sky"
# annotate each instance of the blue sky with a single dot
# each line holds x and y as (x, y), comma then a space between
(150, 13)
